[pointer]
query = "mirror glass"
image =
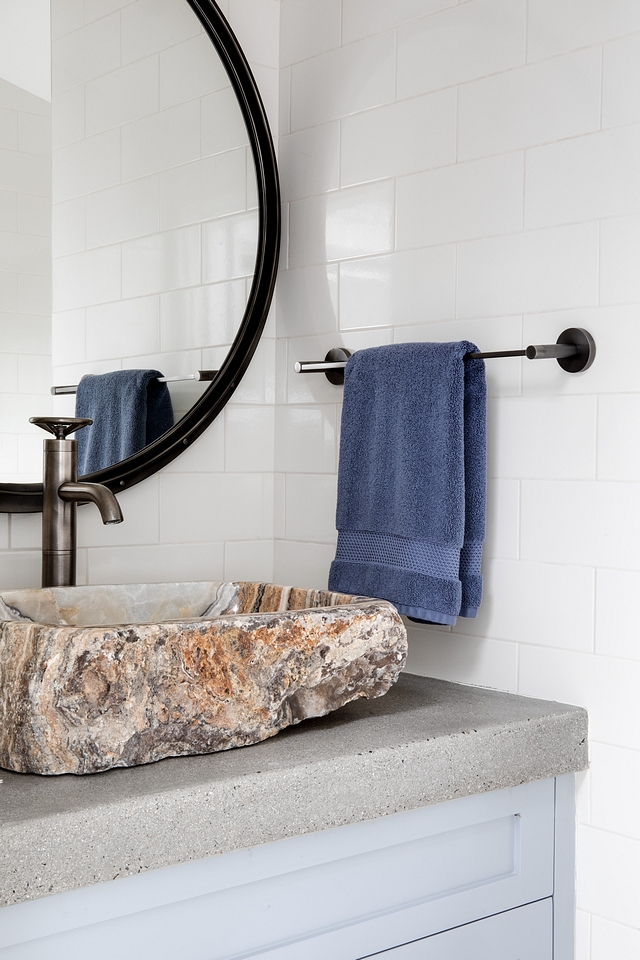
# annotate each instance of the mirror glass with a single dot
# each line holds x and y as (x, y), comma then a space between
(128, 215)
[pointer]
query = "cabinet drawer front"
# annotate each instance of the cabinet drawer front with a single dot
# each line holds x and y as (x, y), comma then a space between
(525, 933)
(343, 893)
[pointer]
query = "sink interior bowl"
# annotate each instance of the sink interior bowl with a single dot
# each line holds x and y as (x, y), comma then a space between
(115, 676)
(158, 602)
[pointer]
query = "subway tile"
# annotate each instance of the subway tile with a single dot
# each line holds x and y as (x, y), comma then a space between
(123, 212)
(616, 620)
(8, 377)
(615, 789)
(257, 384)
(250, 560)
(414, 286)
(582, 935)
(34, 294)
(554, 527)
(308, 295)
(4, 531)
(86, 166)
(584, 178)
(140, 509)
(151, 25)
(210, 507)
(229, 247)
(88, 52)
(95, 9)
(618, 453)
(257, 27)
(536, 104)
(398, 139)
(353, 222)
(159, 563)
(603, 685)
(540, 603)
(621, 81)
(68, 230)
(309, 161)
(20, 570)
(123, 328)
(86, 278)
(25, 172)
(473, 199)
(306, 439)
(166, 139)
(563, 427)
(302, 564)
(308, 28)
(205, 454)
(343, 81)
(609, 885)
(311, 507)
(68, 335)
(223, 126)
(202, 316)
(475, 660)
(527, 272)
(15, 98)
(556, 26)
(203, 189)
(460, 44)
(34, 214)
(610, 939)
(9, 211)
(22, 253)
(122, 96)
(67, 116)
(619, 253)
(362, 18)
(34, 134)
(27, 336)
(503, 519)
(8, 129)
(162, 262)
(189, 70)
(284, 102)
(249, 438)
(66, 16)
(34, 374)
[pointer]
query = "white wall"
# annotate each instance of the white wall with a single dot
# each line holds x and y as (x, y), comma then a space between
(25, 279)
(472, 170)
(25, 45)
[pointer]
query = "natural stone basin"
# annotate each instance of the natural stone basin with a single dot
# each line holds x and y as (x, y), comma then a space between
(114, 676)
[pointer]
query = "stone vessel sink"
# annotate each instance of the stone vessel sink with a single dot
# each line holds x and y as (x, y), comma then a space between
(114, 676)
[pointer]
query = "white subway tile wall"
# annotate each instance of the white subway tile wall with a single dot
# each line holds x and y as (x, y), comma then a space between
(470, 170)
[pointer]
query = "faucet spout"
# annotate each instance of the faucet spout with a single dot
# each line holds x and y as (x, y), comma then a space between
(76, 491)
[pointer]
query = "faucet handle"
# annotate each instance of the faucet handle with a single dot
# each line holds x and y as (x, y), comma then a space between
(61, 426)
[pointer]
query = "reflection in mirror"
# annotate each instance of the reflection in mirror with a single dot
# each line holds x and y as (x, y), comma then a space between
(154, 230)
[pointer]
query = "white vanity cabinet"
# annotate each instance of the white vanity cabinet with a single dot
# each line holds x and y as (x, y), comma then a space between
(487, 876)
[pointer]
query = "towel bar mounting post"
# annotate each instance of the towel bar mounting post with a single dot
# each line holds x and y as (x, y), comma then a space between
(575, 351)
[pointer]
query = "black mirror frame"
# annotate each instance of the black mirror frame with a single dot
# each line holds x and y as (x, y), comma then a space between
(27, 497)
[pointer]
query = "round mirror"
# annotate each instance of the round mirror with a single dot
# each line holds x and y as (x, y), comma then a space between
(164, 239)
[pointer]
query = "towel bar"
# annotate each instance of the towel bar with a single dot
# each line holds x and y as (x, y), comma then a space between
(198, 375)
(575, 350)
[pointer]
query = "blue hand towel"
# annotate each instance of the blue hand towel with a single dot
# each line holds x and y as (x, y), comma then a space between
(129, 409)
(412, 479)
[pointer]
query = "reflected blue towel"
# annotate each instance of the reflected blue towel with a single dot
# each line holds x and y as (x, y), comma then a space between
(412, 479)
(129, 409)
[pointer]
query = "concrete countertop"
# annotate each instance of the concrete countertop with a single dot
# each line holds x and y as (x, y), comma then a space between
(425, 742)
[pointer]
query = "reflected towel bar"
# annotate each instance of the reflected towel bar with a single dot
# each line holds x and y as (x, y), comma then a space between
(198, 375)
(575, 350)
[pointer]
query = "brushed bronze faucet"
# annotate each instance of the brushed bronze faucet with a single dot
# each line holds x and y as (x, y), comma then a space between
(62, 492)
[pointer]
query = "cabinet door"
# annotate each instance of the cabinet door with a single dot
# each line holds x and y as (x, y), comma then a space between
(522, 934)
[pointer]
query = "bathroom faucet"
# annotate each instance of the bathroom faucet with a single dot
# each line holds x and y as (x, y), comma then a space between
(62, 492)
